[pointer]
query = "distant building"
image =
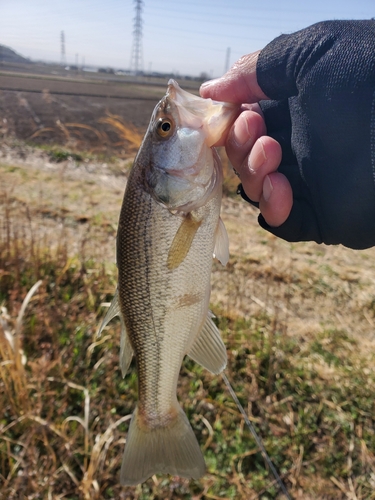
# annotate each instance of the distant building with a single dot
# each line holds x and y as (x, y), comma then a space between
(110, 71)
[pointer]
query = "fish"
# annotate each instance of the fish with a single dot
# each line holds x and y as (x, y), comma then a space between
(169, 230)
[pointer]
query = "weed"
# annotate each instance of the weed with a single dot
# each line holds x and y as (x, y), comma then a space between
(59, 155)
(111, 135)
(65, 408)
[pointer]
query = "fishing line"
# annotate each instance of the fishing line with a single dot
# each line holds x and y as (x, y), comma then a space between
(257, 438)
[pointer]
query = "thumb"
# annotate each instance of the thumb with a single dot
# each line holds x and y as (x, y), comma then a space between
(238, 85)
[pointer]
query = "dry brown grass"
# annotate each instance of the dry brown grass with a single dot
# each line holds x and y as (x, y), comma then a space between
(298, 321)
(116, 136)
(12, 367)
(39, 428)
(128, 134)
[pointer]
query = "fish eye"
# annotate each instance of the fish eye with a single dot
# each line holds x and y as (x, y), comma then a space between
(164, 127)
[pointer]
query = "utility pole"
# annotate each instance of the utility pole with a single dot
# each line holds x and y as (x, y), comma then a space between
(63, 58)
(227, 59)
(136, 60)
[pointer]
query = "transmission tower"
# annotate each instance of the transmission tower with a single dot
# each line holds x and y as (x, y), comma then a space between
(63, 58)
(136, 60)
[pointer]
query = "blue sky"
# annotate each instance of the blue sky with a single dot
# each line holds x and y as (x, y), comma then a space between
(188, 37)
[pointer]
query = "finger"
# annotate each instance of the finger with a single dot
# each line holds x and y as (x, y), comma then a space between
(263, 160)
(279, 126)
(248, 127)
(244, 107)
(277, 199)
(301, 224)
(238, 85)
(253, 107)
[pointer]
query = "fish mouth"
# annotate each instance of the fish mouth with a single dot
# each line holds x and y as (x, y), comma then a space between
(173, 89)
(214, 117)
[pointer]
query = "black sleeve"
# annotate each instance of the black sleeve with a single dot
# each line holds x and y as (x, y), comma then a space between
(322, 82)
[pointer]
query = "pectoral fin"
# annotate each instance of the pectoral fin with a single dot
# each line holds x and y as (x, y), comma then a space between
(182, 241)
(221, 250)
(126, 349)
(208, 349)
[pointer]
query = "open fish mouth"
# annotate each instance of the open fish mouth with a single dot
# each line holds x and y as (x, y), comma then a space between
(213, 116)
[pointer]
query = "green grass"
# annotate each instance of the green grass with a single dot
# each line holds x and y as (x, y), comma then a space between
(59, 155)
(63, 419)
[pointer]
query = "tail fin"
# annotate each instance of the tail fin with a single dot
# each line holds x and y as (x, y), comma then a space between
(168, 450)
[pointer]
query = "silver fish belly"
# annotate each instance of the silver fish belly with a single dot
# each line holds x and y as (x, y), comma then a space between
(169, 229)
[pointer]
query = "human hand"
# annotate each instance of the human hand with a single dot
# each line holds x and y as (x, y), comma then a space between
(307, 154)
(254, 155)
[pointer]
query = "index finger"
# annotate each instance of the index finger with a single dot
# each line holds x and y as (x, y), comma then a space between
(238, 85)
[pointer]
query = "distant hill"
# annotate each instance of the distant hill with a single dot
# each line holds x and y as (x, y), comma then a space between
(9, 55)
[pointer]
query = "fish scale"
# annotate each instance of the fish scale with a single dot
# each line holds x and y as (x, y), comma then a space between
(145, 318)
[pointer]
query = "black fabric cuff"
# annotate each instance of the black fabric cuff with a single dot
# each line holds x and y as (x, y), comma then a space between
(301, 225)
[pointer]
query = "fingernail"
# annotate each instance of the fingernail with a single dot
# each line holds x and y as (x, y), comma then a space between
(267, 188)
(241, 132)
(258, 156)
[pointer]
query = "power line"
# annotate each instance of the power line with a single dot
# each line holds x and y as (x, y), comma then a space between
(136, 61)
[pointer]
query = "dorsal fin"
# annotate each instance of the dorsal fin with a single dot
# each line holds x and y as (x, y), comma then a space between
(113, 311)
(126, 349)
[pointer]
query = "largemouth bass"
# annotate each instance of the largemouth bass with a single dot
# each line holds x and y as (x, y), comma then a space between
(169, 230)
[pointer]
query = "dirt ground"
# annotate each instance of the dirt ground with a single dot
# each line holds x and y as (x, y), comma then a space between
(37, 107)
(297, 280)
(309, 286)
(305, 288)
(42, 109)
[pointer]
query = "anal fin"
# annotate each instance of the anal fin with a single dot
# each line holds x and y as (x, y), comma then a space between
(208, 349)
